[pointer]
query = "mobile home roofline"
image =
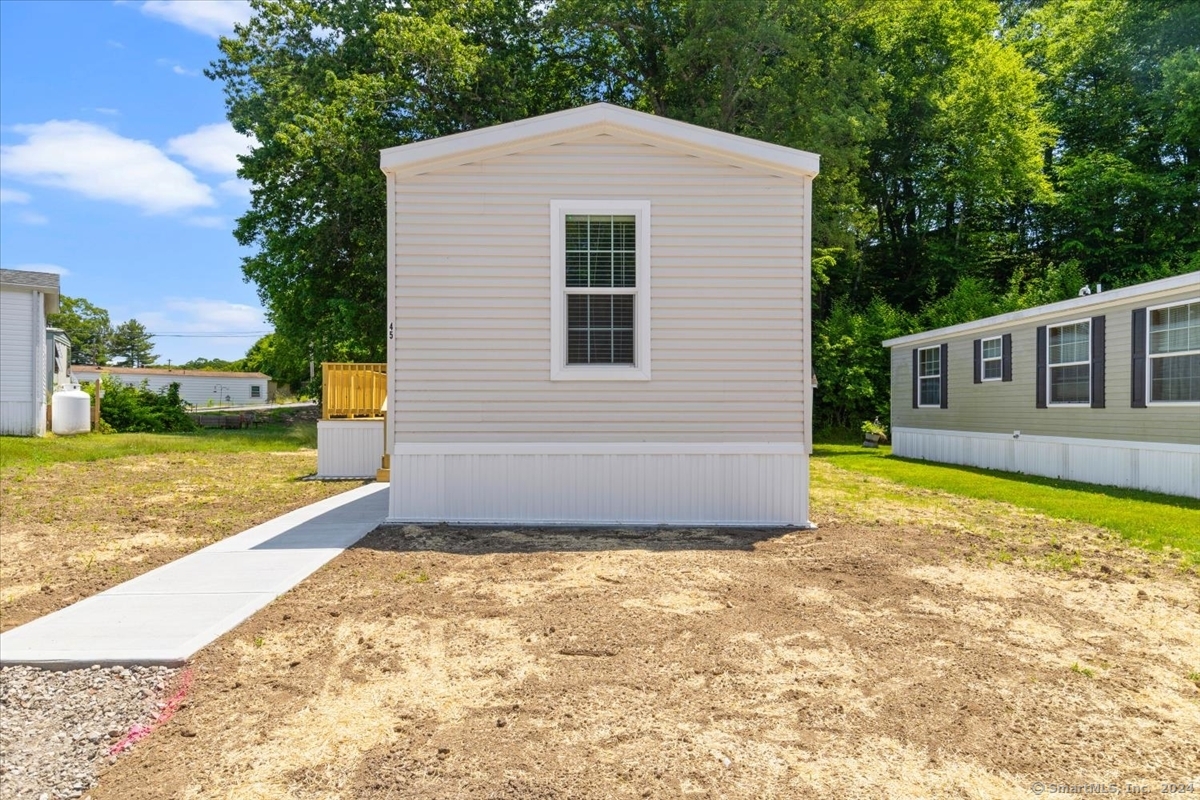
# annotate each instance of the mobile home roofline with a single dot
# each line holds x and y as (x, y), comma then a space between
(590, 120)
(1080, 304)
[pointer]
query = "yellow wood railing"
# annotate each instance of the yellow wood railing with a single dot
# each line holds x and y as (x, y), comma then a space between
(353, 391)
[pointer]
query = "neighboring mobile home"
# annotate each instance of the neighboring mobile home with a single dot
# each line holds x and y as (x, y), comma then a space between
(599, 316)
(201, 388)
(25, 300)
(1102, 388)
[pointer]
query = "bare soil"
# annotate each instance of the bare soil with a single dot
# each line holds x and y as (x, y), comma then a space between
(70, 530)
(920, 645)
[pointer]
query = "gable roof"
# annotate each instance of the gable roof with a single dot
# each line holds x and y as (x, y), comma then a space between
(45, 282)
(593, 120)
(1079, 304)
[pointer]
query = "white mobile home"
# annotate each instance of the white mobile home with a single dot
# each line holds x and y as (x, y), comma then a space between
(1102, 388)
(599, 316)
(201, 388)
(25, 300)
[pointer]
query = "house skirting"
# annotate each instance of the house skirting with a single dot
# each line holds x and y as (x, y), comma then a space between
(760, 484)
(1152, 466)
(349, 448)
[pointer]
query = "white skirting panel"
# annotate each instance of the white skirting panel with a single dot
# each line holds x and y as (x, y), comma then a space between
(601, 484)
(1152, 466)
(349, 448)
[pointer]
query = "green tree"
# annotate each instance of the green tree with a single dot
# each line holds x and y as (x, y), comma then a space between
(323, 86)
(88, 327)
(214, 365)
(132, 342)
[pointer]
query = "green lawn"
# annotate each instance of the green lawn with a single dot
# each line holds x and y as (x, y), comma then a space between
(1149, 520)
(30, 452)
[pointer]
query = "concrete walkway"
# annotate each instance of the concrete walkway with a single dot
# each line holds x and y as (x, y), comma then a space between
(166, 615)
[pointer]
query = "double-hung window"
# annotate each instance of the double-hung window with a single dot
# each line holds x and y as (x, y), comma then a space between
(1174, 345)
(929, 377)
(1069, 348)
(991, 353)
(600, 290)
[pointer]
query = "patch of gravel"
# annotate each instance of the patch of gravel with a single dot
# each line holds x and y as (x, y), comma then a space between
(57, 727)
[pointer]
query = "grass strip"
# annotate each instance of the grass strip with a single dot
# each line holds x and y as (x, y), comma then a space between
(1149, 520)
(33, 452)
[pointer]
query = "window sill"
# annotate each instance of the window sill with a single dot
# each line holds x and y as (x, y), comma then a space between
(598, 373)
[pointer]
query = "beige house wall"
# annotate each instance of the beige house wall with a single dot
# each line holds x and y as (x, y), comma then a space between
(472, 283)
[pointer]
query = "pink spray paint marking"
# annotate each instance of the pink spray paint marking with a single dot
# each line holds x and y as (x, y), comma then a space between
(140, 731)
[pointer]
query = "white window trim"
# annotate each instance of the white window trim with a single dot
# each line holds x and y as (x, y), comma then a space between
(921, 377)
(1051, 367)
(1150, 357)
(559, 369)
(983, 361)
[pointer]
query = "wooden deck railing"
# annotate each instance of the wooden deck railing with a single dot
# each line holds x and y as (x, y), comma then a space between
(353, 391)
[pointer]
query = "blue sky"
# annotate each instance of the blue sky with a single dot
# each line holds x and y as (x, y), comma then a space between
(117, 165)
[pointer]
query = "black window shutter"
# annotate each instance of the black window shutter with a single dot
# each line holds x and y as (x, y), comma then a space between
(979, 361)
(916, 381)
(1006, 358)
(945, 379)
(1041, 367)
(1137, 396)
(1097, 362)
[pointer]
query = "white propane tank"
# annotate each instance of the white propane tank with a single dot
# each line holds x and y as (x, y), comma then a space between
(71, 411)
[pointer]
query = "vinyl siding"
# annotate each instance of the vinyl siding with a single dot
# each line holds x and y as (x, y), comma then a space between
(20, 335)
(1004, 407)
(199, 391)
(472, 309)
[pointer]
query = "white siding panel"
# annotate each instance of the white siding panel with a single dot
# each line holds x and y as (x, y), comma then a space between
(199, 390)
(1167, 468)
(18, 360)
(601, 484)
(349, 448)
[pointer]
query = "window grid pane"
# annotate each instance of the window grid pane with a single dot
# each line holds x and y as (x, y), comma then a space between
(930, 362)
(1175, 329)
(991, 369)
(1071, 384)
(1175, 379)
(601, 251)
(992, 348)
(600, 329)
(1069, 343)
(931, 392)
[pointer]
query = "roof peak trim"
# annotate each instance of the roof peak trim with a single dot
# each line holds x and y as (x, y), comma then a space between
(597, 118)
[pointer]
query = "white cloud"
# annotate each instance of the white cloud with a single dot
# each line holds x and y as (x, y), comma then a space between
(236, 187)
(213, 148)
(112, 112)
(198, 315)
(32, 218)
(14, 196)
(213, 18)
(97, 163)
(191, 73)
(55, 268)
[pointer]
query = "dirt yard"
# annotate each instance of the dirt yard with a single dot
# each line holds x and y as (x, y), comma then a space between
(917, 645)
(76, 528)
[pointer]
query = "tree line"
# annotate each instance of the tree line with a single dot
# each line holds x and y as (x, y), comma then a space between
(94, 340)
(977, 155)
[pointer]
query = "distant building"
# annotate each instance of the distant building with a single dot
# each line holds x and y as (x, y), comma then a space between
(1102, 388)
(201, 388)
(25, 300)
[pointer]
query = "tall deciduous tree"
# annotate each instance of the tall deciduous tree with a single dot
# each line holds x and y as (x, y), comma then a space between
(88, 327)
(132, 342)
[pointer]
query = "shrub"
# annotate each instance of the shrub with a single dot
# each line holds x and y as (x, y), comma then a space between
(137, 409)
